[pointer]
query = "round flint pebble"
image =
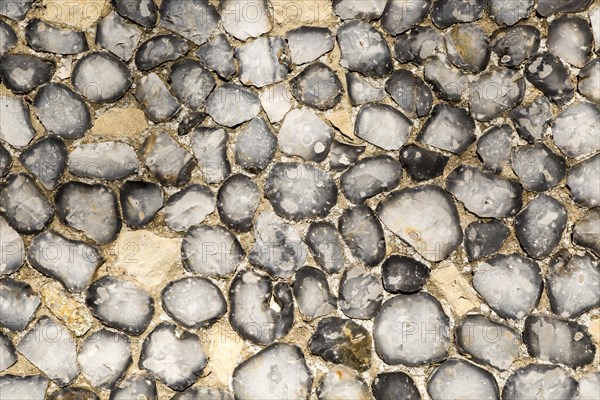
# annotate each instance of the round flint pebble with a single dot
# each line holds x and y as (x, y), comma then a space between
(390, 385)
(402, 274)
(456, 378)
(547, 381)
(317, 86)
(369, 177)
(101, 77)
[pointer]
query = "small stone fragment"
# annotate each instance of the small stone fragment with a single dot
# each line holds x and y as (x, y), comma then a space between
(342, 382)
(5, 161)
(106, 160)
(448, 128)
(18, 304)
(575, 130)
(304, 134)
(383, 126)
(259, 376)
(417, 44)
(326, 247)
(483, 239)
(140, 201)
(71, 262)
(183, 17)
(245, 19)
(508, 91)
(488, 342)
(311, 292)
(12, 249)
(307, 43)
(72, 392)
(401, 15)
(317, 86)
(237, 200)
(361, 293)
(369, 177)
(494, 147)
(193, 302)
(455, 288)
(583, 182)
(183, 362)
(217, 55)
(27, 387)
(62, 111)
(549, 7)
(509, 12)
(117, 36)
(342, 155)
(26, 217)
(190, 121)
(515, 44)
(46, 159)
(189, 207)
(56, 356)
(537, 167)
(359, 9)
(191, 83)
(547, 72)
(211, 250)
(278, 246)
(467, 47)
(554, 340)
(15, 122)
(364, 49)
(263, 61)
(22, 73)
(75, 315)
(156, 100)
(8, 354)
(363, 234)
(104, 357)
(391, 385)
(261, 311)
(510, 284)
(158, 50)
(360, 91)
(411, 330)
(42, 36)
(167, 160)
(121, 305)
(456, 378)
(589, 81)
(134, 387)
(532, 120)
(448, 82)
(446, 13)
(586, 232)
(536, 381)
(402, 274)
(231, 104)
(8, 37)
(422, 164)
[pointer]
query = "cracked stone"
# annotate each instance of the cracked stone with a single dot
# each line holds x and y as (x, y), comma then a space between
(182, 16)
(118, 36)
(360, 91)
(326, 247)
(532, 120)
(361, 293)
(410, 93)
(157, 102)
(311, 292)
(167, 160)
(217, 55)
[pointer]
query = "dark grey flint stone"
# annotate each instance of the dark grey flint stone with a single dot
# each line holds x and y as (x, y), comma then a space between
(554, 340)
(12, 249)
(217, 55)
(422, 164)
(299, 191)
(231, 104)
(510, 284)
(494, 147)
(46, 159)
(18, 304)
(255, 146)
(307, 43)
(361, 293)
(537, 167)
(278, 248)
(237, 200)
(326, 246)
(467, 47)
(42, 36)
(252, 314)
(359, 9)
(158, 50)
(448, 82)
(586, 232)
(509, 12)
(547, 72)
(142, 12)
(72, 392)
(342, 341)
(495, 91)
(303, 133)
(483, 193)
(363, 234)
(121, 305)
(194, 20)
(19, 387)
(15, 122)
(90, 208)
(572, 283)
(483, 239)
(8, 354)
(448, 128)
(157, 102)
(140, 201)
(539, 381)
(488, 342)
(211, 251)
(104, 160)
(71, 262)
(16, 9)
(456, 378)
(133, 386)
(8, 37)
(410, 93)
(62, 111)
(263, 61)
(22, 73)
(118, 36)
(5, 161)
(360, 91)
(311, 292)
(210, 149)
(342, 155)
(252, 379)
(167, 160)
(424, 217)
(394, 385)
(364, 49)
(369, 177)
(575, 130)
(515, 44)
(409, 317)
(52, 349)
(382, 125)
(185, 361)
(400, 15)
(446, 13)
(317, 86)
(189, 207)
(23, 204)
(570, 38)
(549, 7)
(539, 226)
(189, 121)
(402, 274)
(193, 302)
(191, 83)
(532, 120)
(583, 182)
(589, 84)
(417, 44)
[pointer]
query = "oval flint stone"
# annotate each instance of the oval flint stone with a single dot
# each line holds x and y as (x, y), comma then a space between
(135, 385)
(142, 12)
(158, 50)
(361, 293)
(18, 304)
(448, 128)
(8, 37)
(326, 247)
(483, 239)
(467, 47)
(311, 291)
(19, 387)
(101, 77)
(217, 55)
(194, 20)
(401, 15)
(12, 249)
(231, 104)
(494, 147)
(532, 120)
(117, 36)
(363, 234)
(494, 92)
(579, 179)
(107, 160)
(15, 122)
(157, 102)
(62, 111)
(422, 164)
(342, 155)
(191, 82)
(391, 385)
(317, 86)
(417, 44)
(589, 81)
(537, 167)
(570, 38)
(586, 232)
(263, 61)
(359, 9)
(237, 200)
(167, 160)
(45, 37)
(46, 159)
(360, 91)
(515, 44)
(426, 218)
(189, 207)
(459, 379)
(140, 201)
(509, 12)
(410, 93)
(255, 146)
(307, 43)
(576, 129)
(26, 217)
(382, 125)
(244, 19)
(342, 380)
(364, 49)
(549, 7)
(539, 381)
(402, 274)
(22, 73)
(8, 354)
(547, 72)
(303, 133)
(446, 13)
(369, 177)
